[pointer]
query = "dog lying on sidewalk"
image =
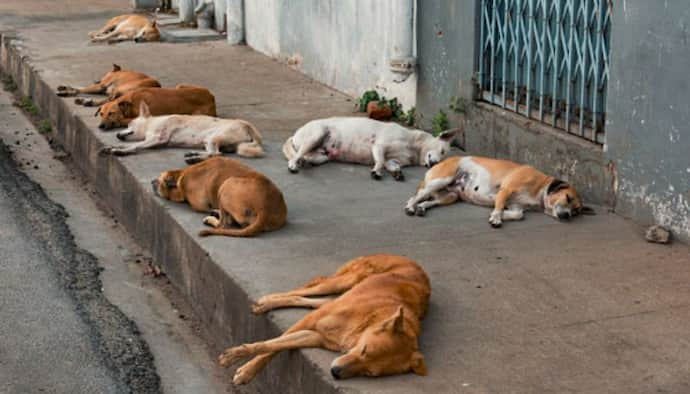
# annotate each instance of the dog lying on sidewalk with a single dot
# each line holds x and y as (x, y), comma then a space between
(241, 201)
(137, 28)
(375, 322)
(507, 186)
(113, 84)
(182, 100)
(189, 131)
(365, 141)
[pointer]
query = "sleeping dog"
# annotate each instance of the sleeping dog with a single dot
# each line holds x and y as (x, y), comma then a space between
(365, 141)
(507, 186)
(374, 322)
(127, 28)
(190, 131)
(113, 84)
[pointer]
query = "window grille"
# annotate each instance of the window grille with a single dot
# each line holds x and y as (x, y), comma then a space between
(547, 60)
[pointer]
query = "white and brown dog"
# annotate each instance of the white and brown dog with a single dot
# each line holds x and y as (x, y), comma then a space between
(507, 186)
(365, 141)
(189, 131)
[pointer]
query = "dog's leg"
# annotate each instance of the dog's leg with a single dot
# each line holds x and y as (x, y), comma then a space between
(378, 151)
(393, 166)
(310, 143)
(90, 102)
(133, 148)
(294, 340)
(68, 91)
(513, 212)
(276, 302)
(441, 198)
(248, 371)
(495, 219)
(425, 193)
(105, 37)
(316, 158)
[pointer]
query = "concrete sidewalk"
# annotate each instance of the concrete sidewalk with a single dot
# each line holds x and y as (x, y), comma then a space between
(537, 306)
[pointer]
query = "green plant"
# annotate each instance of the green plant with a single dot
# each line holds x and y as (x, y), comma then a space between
(439, 123)
(409, 117)
(28, 105)
(10, 84)
(458, 105)
(368, 96)
(396, 108)
(44, 126)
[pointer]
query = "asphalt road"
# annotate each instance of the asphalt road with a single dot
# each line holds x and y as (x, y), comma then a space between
(58, 333)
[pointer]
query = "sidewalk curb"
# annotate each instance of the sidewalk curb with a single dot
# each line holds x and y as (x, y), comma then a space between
(187, 264)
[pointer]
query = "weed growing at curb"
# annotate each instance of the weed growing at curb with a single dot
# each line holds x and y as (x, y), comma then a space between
(44, 126)
(28, 105)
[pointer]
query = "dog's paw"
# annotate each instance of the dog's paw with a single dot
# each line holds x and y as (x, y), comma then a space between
(420, 211)
(215, 213)
(409, 210)
(211, 221)
(495, 219)
(61, 88)
(232, 355)
(375, 175)
(191, 154)
(398, 176)
(260, 307)
(243, 375)
(79, 101)
(64, 93)
(118, 152)
(193, 159)
(106, 150)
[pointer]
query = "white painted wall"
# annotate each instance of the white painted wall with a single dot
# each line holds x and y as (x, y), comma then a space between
(346, 44)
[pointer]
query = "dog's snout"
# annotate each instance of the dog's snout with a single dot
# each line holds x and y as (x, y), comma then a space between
(101, 126)
(121, 136)
(336, 372)
(137, 39)
(564, 215)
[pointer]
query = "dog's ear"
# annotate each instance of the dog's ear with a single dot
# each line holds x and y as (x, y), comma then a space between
(98, 112)
(125, 107)
(170, 181)
(395, 323)
(116, 67)
(448, 135)
(556, 185)
(144, 111)
(585, 210)
(417, 364)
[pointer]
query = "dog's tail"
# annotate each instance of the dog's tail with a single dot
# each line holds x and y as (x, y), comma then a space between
(254, 228)
(289, 149)
(252, 148)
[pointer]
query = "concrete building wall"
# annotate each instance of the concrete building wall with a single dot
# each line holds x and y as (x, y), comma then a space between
(648, 123)
(643, 170)
(446, 45)
(346, 44)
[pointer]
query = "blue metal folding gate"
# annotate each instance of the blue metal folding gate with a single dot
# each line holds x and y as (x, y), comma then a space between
(548, 60)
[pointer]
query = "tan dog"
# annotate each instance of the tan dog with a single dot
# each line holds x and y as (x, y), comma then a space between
(375, 322)
(241, 197)
(190, 131)
(507, 186)
(137, 28)
(113, 84)
(182, 100)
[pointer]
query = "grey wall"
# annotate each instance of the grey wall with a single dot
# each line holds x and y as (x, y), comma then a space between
(648, 125)
(445, 54)
(346, 44)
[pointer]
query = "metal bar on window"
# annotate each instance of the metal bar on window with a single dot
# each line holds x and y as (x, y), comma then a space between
(550, 54)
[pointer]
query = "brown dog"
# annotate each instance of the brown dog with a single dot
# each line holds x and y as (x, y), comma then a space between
(376, 321)
(113, 84)
(182, 100)
(241, 197)
(127, 28)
